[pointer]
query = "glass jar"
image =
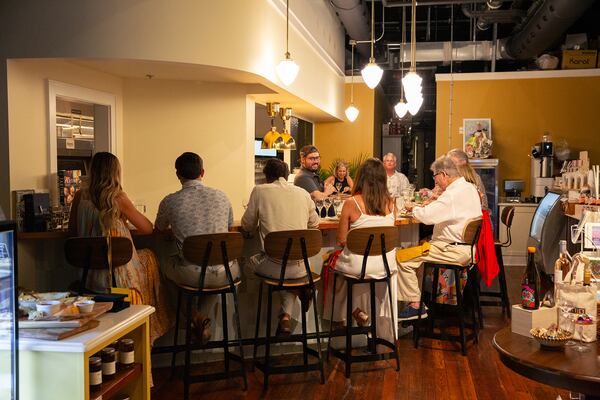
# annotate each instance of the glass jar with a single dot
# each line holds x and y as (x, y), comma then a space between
(109, 363)
(95, 367)
(115, 345)
(126, 353)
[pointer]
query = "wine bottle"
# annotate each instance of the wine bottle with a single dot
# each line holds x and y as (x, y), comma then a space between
(530, 284)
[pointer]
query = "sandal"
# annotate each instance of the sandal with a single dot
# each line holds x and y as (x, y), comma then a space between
(201, 328)
(361, 317)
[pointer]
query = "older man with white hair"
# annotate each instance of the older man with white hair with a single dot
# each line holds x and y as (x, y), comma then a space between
(457, 205)
(396, 181)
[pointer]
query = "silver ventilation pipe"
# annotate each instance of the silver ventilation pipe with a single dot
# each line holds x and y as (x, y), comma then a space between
(545, 26)
(356, 20)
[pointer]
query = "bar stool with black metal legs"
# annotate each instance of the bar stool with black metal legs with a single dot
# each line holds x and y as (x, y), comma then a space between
(289, 246)
(373, 241)
(97, 253)
(441, 311)
(205, 250)
(506, 218)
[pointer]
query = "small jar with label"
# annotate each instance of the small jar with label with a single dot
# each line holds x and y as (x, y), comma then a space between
(109, 363)
(115, 345)
(95, 367)
(126, 353)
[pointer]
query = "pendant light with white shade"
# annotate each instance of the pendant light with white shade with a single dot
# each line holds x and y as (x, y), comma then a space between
(352, 111)
(412, 81)
(401, 108)
(287, 70)
(372, 73)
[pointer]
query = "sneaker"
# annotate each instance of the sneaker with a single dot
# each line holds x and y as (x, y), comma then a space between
(410, 313)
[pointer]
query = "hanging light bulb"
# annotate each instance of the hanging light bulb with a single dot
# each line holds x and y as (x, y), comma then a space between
(371, 73)
(415, 105)
(287, 70)
(352, 111)
(401, 108)
(412, 81)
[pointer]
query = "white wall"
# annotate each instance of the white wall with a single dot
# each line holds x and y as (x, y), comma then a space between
(166, 118)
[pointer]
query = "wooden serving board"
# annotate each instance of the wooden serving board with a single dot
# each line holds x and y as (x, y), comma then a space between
(57, 333)
(68, 321)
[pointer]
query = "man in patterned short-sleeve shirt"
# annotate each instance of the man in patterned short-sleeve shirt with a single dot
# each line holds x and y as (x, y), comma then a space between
(196, 209)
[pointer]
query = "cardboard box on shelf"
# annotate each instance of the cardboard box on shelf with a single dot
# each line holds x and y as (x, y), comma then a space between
(522, 321)
(579, 59)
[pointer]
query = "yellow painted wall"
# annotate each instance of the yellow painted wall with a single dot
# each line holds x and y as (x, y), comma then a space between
(28, 114)
(166, 118)
(347, 140)
(521, 110)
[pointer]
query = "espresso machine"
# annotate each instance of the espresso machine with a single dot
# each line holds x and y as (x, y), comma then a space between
(542, 167)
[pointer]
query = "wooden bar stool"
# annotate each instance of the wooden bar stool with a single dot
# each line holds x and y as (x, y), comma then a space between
(93, 253)
(205, 250)
(440, 311)
(506, 218)
(368, 242)
(289, 246)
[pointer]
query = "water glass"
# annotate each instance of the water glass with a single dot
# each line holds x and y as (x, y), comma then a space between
(319, 205)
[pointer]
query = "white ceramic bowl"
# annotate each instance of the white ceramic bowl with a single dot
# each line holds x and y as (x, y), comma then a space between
(49, 307)
(85, 306)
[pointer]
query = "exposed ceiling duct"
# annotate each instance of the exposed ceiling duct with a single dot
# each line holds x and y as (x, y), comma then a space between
(439, 52)
(545, 26)
(356, 21)
(408, 3)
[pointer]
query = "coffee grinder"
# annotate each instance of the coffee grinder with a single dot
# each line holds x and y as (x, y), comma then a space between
(542, 167)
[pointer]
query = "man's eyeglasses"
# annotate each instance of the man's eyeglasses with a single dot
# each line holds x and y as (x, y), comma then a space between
(438, 173)
(315, 158)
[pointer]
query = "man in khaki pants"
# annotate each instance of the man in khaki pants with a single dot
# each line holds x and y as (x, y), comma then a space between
(457, 205)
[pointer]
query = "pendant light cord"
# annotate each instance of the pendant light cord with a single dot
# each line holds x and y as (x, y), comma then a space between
(352, 76)
(413, 37)
(287, 29)
(372, 26)
(402, 53)
(451, 100)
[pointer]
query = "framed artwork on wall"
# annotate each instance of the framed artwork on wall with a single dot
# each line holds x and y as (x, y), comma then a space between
(477, 140)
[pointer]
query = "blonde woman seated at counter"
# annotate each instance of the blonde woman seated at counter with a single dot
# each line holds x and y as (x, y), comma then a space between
(340, 180)
(370, 205)
(279, 206)
(102, 209)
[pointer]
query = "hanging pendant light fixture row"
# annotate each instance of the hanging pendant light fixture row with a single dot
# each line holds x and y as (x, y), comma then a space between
(287, 70)
(274, 139)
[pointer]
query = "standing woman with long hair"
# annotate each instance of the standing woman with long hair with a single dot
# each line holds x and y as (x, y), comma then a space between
(102, 208)
(370, 205)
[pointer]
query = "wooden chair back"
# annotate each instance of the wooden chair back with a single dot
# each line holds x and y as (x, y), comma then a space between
(213, 249)
(471, 232)
(372, 242)
(93, 253)
(507, 216)
(276, 243)
(292, 246)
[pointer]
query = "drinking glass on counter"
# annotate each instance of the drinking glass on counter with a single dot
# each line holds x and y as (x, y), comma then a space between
(337, 205)
(319, 205)
(327, 202)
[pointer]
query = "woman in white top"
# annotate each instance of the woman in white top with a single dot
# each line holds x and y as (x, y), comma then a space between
(371, 205)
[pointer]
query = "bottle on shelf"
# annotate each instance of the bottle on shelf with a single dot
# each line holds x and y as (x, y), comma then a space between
(530, 284)
(587, 272)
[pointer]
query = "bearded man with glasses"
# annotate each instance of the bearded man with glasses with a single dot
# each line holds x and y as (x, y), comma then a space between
(308, 178)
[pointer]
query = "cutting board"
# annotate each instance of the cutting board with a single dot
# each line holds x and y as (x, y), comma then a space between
(68, 321)
(57, 333)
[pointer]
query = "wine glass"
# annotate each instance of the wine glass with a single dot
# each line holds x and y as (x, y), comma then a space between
(338, 187)
(326, 204)
(579, 322)
(337, 205)
(319, 204)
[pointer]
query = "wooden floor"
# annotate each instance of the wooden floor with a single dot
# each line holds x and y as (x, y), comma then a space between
(434, 371)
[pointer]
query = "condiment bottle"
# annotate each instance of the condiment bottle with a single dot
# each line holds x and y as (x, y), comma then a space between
(530, 284)
(109, 363)
(95, 370)
(126, 353)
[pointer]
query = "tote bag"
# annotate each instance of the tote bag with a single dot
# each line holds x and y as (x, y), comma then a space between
(576, 299)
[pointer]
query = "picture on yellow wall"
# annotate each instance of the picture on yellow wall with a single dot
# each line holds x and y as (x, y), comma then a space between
(477, 141)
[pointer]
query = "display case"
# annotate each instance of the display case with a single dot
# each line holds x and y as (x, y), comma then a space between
(8, 312)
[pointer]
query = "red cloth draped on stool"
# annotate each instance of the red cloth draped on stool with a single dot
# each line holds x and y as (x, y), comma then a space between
(486, 251)
(329, 263)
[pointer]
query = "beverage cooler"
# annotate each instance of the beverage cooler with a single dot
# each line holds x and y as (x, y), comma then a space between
(487, 168)
(8, 312)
